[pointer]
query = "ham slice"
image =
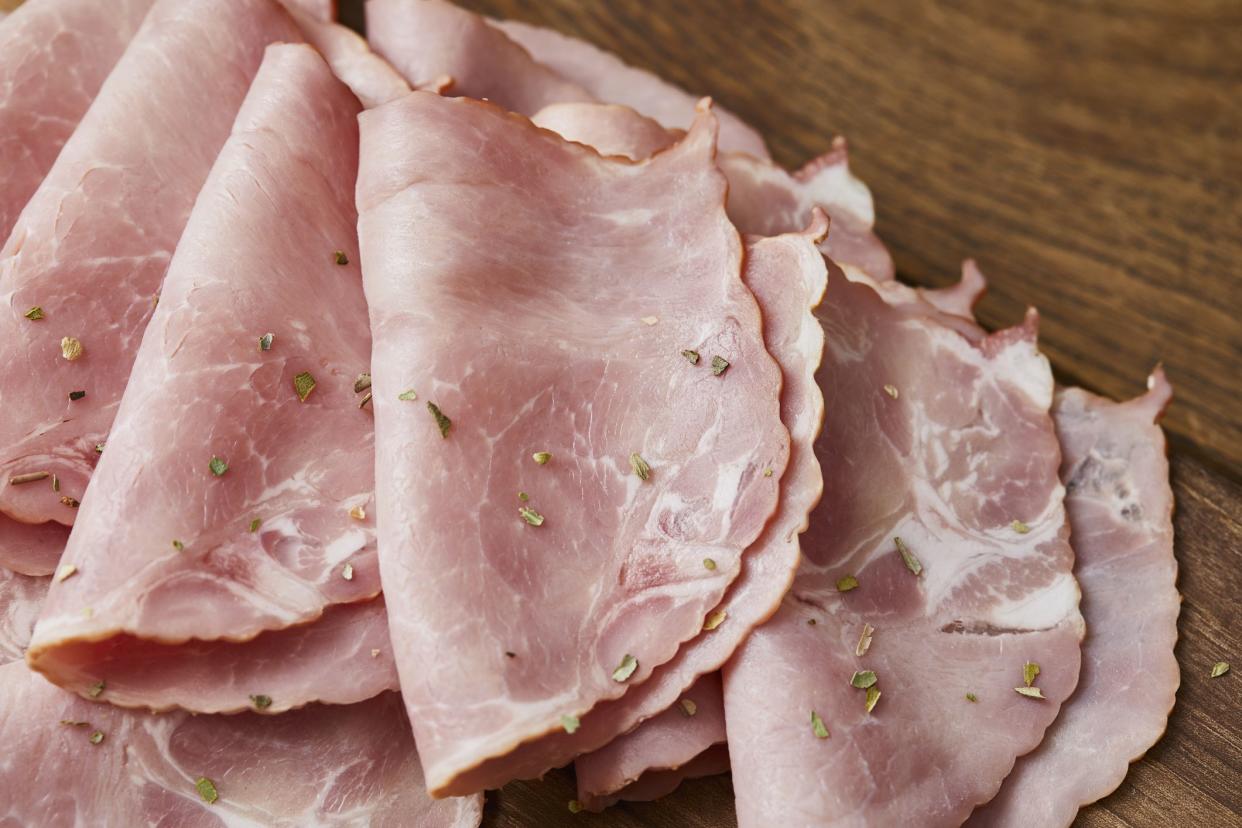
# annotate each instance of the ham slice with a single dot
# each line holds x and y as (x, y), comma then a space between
(201, 583)
(536, 297)
(324, 765)
(1120, 507)
(684, 742)
(371, 78)
(41, 100)
(91, 247)
(938, 435)
(20, 599)
(31, 548)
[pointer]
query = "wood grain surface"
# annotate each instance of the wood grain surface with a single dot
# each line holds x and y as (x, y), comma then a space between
(1089, 156)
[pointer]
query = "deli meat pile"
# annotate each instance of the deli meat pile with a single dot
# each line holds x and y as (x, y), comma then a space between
(388, 421)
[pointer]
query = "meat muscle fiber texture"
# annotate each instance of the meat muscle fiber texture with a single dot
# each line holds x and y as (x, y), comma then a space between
(92, 246)
(41, 97)
(197, 576)
(528, 295)
(941, 436)
(325, 765)
(1120, 507)
(21, 597)
(787, 276)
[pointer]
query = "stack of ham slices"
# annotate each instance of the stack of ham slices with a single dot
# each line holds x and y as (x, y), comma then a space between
(470, 389)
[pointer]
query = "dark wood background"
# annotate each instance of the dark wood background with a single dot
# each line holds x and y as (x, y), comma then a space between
(1089, 156)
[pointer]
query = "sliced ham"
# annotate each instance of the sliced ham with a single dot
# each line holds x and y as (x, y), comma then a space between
(371, 78)
(70, 762)
(1120, 507)
(320, 10)
(610, 128)
(233, 504)
(91, 247)
(528, 295)
(941, 436)
(54, 56)
(31, 548)
(21, 597)
(608, 78)
(684, 742)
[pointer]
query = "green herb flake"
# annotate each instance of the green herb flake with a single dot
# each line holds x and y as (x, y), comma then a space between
(530, 516)
(873, 696)
(864, 640)
(255, 524)
(261, 702)
(34, 314)
(575, 806)
(55, 483)
(626, 668)
(892, 391)
(1029, 671)
(179, 546)
(912, 563)
(207, 790)
(523, 496)
(1219, 669)
(217, 466)
(570, 723)
(971, 697)
(76, 395)
(347, 572)
(847, 583)
(862, 679)
(693, 356)
(408, 395)
(541, 457)
(1020, 527)
(362, 383)
(72, 723)
(818, 727)
(340, 258)
(714, 619)
(65, 571)
(96, 737)
(1029, 692)
(96, 690)
(444, 423)
(30, 477)
(265, 341)
(709, 564)
(688, 707)
(303, 385)
(719, 365)
(99, 447)
(640, 466)
(767, 472)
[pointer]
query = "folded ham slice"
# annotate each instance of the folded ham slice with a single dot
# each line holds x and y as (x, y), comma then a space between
(371, 78)
(1120, 507)
(70, 762)
(935, 569)
(21, 597)
(54, 56)
(232, 506)
(530, 296)
(91, 247)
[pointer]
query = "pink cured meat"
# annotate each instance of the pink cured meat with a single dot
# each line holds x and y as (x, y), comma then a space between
(92, 245)
(321, 10)
(546, 338)
(371, 78)
(21, 596)
(940, 435)
(164, 549)
(31, 548)
(653, 759)
(608, 78)
(325, 765)
(610, 128)
(41, 100)
(1120, 507)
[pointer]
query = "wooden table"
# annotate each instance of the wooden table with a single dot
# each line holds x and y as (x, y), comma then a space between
(1089, 156)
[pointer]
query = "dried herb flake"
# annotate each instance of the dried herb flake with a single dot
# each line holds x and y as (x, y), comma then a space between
(1219, 669)
(912, 563)
(65, 571)
(640, 466)
(709, 564)
(688, 707)
(255, 524)
(339, 257)
(862, 679)
(347, 572)
(847, 583)
(1029, 671)
(530, 516)
(96, 689)
(358, 513)
(719, 365)
(542, 457)
(71, 348)
(1020, 527)
(179, 546)
(442, 422)
(34, 314)
(217, 466)
(362, 383)
(74, 396)
(818, 727)
(261, 702)
(693, 356)
(892, 391)
(873, 696)
(303, 385)
(971, 697)
(575, 806)
(265, 341)
(714, 619)
(96, 737)
(864, 640)
(626, 668)
(31, 477)
(207, 790)
(408, 395)
(1029, 692)
(570, 723)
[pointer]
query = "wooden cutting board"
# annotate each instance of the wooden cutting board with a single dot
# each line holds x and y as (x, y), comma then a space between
(1089, 156)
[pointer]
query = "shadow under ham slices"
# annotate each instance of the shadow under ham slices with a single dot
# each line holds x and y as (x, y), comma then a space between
(41, 97)
(192, 587)
(324, 765)
(92, 245)
(939, 435)
(538, 297)
(1120, 507)
(21, 597)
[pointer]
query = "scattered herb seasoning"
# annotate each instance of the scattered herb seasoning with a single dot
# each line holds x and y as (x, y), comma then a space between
(1029, 671)
(408, 395)
(179, 546)
(892, 391)
(65, 571)
(873, 696)
(523, 496)
(530, 516)
(261, 702)
(862, 679)
(688, 707)
(32, 477)
(34, 314)
(207, 790)
(650, 320)
(912, 563)
(96, 689)
(575, 806)
(444, 423)
(358, 513)
(55, 483)
(71, 502)
(303, 384)
(74, 396)
(640, 466)
(767, 472)
(510, 654)
(217, 466)
(864, 640)
(96, 737)
(847, 583)
(340, 258)
(818, 727)
(626, 668)
(265, 341)
(709, 564)
(255, 524)
(72, 723)
(71, 348)
(366, 398)
(1030, 692)
(362, 383)
(971, 697)
(375, 653)
(811, 622)
(693, 356)
(1219, 669)
(99, 447)
(714, 619)
(1020, 527)
(347, 572)
(570, 723)
(541, 457)
(719, 365)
